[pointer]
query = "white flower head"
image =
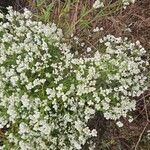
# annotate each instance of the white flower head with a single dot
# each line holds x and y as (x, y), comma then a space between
(1, 16)
(96, 29)
(98, 4)
(119, 124)
(89, 49)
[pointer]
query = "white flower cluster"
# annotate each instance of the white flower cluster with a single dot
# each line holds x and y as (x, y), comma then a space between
(47, 94)
(127, 2)
(99, 3)
(148, 135)
(38, 102)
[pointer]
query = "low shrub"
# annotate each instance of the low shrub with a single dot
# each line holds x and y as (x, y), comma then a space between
(48, 94)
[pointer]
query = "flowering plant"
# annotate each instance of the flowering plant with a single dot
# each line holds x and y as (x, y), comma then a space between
(48, 94)
(99, 3)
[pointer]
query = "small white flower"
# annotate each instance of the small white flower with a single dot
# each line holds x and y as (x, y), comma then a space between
(94, 133)
(119, 124)
(1, 16)
(77, 145)
(101, 29)
(29, 86)
(133, 1)
(130, 119)
(25, 101)
(23, 128)
(89, 49)
(98, 4)
(96, 29)
(138, 43)
(13, 80)
(82, 44)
